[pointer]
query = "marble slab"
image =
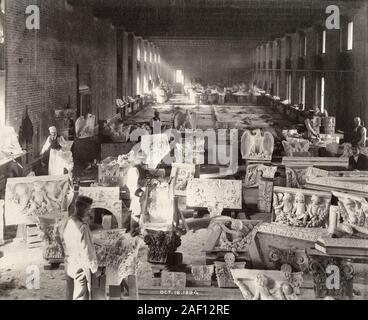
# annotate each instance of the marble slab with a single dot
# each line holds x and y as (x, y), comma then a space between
(355, 185)
(353, 212)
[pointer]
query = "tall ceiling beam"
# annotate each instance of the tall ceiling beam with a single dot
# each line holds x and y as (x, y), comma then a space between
(238, 4)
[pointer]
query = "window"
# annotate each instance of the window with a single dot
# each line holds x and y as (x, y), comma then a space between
(179, 76)
(138, 85)
(145, 84)
(302, 83)
(150, 57)
(288, 87)
(350, 35)
(155, 58)
(145, 56)
(2, 99)
(322, 94)
(303, 45)
(324, 41)
(278, 85)
(138, 54)
(159, 59)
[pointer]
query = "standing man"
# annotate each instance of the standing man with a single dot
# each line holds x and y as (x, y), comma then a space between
(311, 133)
(359, 133)
(55, 143)
(80, 254)
(156, 123)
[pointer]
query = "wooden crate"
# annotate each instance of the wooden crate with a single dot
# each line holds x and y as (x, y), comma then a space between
(34, 236)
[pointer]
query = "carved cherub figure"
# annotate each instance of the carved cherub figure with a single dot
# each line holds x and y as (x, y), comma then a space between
(360, 214)
(21, 195)
(300, 216)
(262, 291)
(232, 231)
(287, 292)
(53, 193)
(285, 208)
(351, 211)
(39, 197)
(315, 210)
(277, 204)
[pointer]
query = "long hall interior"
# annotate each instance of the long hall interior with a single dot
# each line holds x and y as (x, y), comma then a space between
(210, 150)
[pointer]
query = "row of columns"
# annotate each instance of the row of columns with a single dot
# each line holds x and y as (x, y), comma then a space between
(139, 65)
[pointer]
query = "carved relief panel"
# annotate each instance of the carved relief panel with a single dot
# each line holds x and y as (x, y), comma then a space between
(181, 174)
(353, 212)
(254, 172)
(265, 190)
(203, 273)
(293, 146)
(268, 285)
(214, 194)
(28, 198)
(300, 207)
(175, 280)
(234, 235)
(295, 177)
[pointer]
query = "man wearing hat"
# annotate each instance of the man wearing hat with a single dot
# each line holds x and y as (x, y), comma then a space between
(80, 254)
(55, 143)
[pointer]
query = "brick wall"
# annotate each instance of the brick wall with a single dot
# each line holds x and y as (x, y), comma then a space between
(42, 63)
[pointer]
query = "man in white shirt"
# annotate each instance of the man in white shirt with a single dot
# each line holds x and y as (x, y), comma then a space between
(80, 254)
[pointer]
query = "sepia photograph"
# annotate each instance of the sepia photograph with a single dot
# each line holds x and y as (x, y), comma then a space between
(183, 150)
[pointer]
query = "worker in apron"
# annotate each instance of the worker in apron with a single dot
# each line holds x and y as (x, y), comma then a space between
(55, 143)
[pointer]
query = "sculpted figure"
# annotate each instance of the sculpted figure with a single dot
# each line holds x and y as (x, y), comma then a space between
(315, 211)
(39, 199)
(360, 214)
(21, 195)
(287, 207)
(300, 216)
(262, 288)
(287, 292)
(232, 231)
(352, 217)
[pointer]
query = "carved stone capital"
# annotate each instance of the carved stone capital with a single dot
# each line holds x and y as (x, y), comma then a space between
(332, 276)
(160, 245)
